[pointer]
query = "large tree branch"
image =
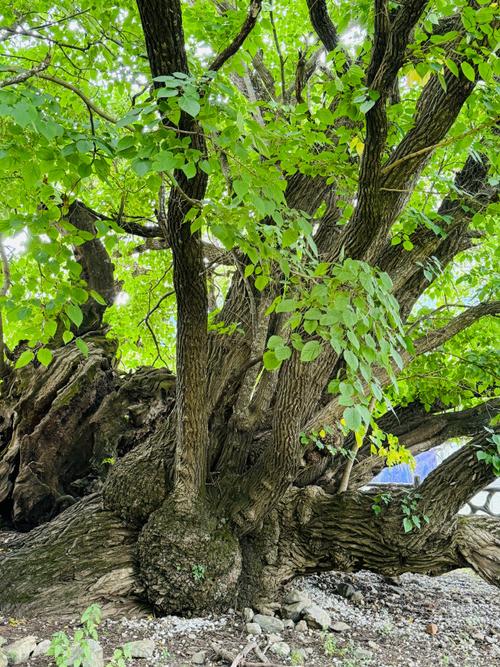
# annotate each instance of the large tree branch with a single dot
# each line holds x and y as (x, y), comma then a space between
(470, 193)
(97, 268)
(436, 112)
(458, 478)
(246, 29)
(419, 431)
(323, 24)
(164, 35)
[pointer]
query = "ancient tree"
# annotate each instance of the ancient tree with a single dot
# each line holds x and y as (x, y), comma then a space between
(248, 260)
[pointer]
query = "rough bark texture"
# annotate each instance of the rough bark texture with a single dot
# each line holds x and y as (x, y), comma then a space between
(205, 498)
(85, 555)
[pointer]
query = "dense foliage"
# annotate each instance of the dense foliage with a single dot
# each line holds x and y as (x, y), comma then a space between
(82, 119)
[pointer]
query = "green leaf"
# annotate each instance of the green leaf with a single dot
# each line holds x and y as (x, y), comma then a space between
(468, 70)
(44, 356)
(82, 346)
(97, 297)
(270, 360)
(67, 336)
(274, 341)
(74, 313)
(24, 359)
(367, 105)
(351, 359)
(352, 417)
(261, 282)
(286, 306)
(407, 525)
(141, 167)
(190, 105)
(310, 351)
(282, 352)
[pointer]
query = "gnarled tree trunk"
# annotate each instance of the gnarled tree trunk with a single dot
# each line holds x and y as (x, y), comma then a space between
(203, 497)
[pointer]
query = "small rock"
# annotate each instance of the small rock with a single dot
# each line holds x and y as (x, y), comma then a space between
(478, 636)
(273, 638)
(295, 609)
(357, 597)
(269, 623)
(345, 590)
(373, 645)
(248, 614)
(142, 648)
(432, 629)
(280, 649)
(289, 624)
(2, 641)
(297, 596)
(91, 657)
(316, 617)
(253, 629)
(41, 648)
(199, 658)
(20, 650)
(3, 659)
(301, 627)
(340, 626)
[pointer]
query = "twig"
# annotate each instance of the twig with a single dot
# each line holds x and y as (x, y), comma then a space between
(344, 482)
(23, 75)
(440, 144)
(228, 657)
(243, 654)
(64, 84)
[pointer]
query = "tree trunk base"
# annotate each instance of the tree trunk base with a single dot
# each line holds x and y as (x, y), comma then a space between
(189, 561)
(83, 556)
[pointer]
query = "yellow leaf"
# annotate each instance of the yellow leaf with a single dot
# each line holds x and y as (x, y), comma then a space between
(413, 78)
(322, 433)
(358, 145)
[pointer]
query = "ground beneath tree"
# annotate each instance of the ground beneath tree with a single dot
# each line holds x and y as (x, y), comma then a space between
(389, 626)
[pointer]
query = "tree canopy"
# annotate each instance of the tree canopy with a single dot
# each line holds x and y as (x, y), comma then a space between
(341, 143)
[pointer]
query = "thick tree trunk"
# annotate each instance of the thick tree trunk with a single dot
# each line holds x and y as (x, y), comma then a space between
(88, 555)
(135, 544)
(85, 555)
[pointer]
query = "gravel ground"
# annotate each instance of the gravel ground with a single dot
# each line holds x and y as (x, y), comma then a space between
(389, 626)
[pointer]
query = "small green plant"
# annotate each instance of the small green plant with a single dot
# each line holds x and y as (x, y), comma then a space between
(120, 657)
(331, 647)
(320, 439)
(411, 518)
(75, 651)
(386, 629)
(296, 658)
(380, 501)
(199, 572)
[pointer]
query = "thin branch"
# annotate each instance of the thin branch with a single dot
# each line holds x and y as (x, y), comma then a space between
(344, 483)
(246, 29)
(65, 84)
(280, 56)
(23, 75)
(440, 144)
